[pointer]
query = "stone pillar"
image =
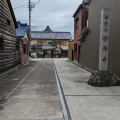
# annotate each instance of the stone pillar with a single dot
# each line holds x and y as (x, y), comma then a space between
(104, 40)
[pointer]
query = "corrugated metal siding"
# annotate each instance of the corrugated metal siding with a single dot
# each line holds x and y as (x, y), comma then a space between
(90, 48)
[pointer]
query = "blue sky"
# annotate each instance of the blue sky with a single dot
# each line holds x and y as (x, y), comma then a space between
(55, 13)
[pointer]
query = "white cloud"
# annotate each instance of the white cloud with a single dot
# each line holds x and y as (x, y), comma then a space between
(55, 13)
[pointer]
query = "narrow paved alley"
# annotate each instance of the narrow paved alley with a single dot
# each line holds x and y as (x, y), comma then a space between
(37, 93)
(37, 98)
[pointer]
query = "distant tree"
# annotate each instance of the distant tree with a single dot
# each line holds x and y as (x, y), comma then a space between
(53, 43)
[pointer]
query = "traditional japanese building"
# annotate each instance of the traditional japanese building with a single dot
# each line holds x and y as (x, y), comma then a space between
(41, 39)
(9, 50)
(23, 35)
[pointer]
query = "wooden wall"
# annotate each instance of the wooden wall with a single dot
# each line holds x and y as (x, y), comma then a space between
(10, 54)
(70, 50)
(59, 42)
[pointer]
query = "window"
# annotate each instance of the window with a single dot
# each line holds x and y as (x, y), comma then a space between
(75, 47)
(24, 49)
(40, 42)
(60, 42)
(85, 19)
(77, 23)
(86, 15)
(1, 43)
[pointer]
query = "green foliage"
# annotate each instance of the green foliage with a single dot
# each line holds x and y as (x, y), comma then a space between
(53, 43)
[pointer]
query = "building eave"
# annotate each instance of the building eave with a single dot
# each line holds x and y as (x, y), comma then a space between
(12, 12)
(48, 39)
(78, 9)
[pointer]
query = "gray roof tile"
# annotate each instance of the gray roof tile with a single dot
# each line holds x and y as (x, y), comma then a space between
(51, 35)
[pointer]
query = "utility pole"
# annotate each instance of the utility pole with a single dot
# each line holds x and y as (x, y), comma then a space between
(30, 27)
(30, 15)
(31, 6)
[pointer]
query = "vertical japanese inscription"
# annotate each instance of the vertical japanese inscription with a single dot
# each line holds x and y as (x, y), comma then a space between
(104, 40)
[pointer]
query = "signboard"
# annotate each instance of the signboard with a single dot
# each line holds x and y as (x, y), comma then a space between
(104, 40)
(45, 47)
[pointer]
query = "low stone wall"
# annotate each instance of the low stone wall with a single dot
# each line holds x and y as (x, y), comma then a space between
(103, 79)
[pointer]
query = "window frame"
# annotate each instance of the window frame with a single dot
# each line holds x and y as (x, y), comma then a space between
(76, 23)
(60, 42)
(40, 42)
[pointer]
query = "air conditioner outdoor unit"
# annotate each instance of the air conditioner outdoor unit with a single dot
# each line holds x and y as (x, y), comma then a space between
(86, 1)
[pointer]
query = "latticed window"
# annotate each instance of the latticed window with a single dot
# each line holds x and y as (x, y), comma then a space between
(40, 42)
(60, 42)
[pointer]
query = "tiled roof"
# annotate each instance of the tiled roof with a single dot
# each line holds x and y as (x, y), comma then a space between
(47, 29)
(22, 28)
(51, 35)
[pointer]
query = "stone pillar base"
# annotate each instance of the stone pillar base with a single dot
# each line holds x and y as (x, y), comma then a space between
(103, 79)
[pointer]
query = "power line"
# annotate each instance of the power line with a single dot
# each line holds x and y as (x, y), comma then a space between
(25, 6)
(37, 2)
(21, 6)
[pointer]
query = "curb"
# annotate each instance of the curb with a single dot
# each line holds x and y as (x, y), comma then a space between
(64, 104)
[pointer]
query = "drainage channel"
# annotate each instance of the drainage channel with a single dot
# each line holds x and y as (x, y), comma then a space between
(62, 97)
(6, 96)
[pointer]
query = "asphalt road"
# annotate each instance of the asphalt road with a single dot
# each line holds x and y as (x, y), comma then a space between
(37, 98)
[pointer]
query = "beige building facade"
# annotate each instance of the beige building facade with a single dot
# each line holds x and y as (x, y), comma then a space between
(41, 39)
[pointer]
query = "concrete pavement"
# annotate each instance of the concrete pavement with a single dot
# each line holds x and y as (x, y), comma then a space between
(11, 79)
(37, 98)
(86, 102)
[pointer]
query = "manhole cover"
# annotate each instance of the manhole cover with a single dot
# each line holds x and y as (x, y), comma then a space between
(1, 108)
(15, 79)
